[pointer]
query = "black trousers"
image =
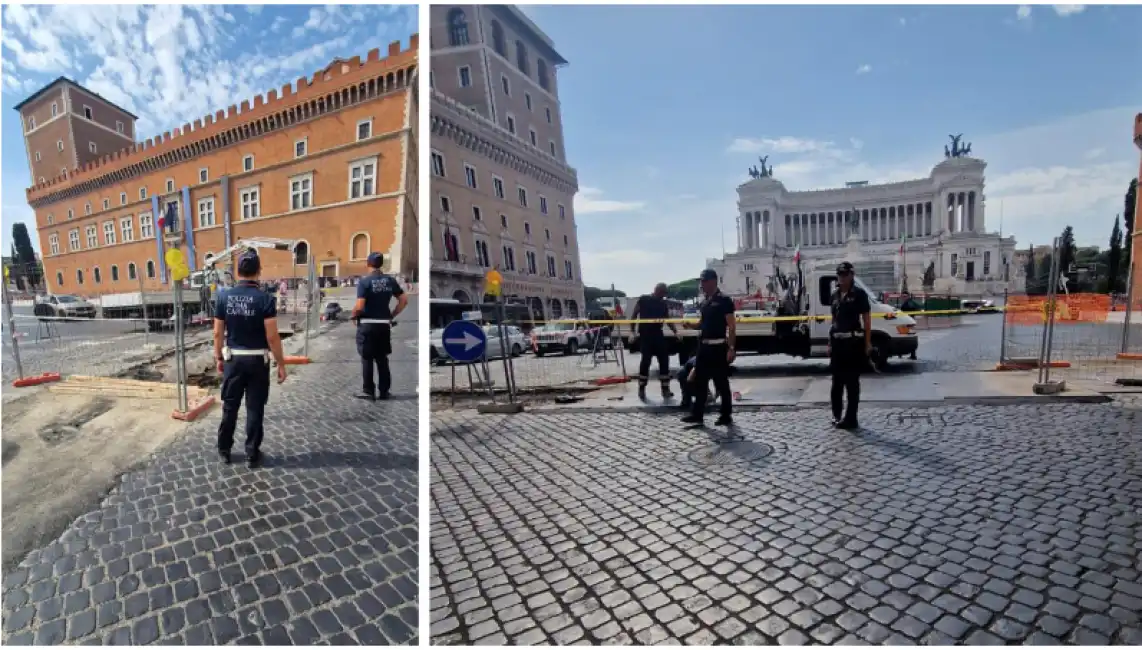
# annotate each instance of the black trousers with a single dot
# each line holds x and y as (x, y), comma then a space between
(712, 366)
(247, 377)
(374, 344)
(846, 361)
(652, 345)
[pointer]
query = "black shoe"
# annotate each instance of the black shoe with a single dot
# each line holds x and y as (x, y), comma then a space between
(382, 396)
(254, 462)
(724, 421)
(224, 455)
(368, 397)
(836, 421)
(685, 404)
(692, 419)
(667, 393)
(642, 392)
(848, 425)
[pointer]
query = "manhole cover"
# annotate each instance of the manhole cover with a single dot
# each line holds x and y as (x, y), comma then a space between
(729, 453)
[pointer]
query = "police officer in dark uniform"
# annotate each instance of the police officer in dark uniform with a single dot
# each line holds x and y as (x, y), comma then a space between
(652, 342)
(850, 344)
(374, 317)
(245, 336)
(717, 333)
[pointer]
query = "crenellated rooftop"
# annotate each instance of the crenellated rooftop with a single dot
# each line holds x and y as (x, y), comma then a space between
(398, 68)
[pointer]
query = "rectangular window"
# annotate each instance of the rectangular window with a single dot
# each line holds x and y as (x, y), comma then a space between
(206, 212)
(527, 100)
(91, 147)
(507, 87)
(59, 145)
(301, 192)
(470, 175)
(51, 219)
(531, 265)
(118, 126)
(551, 146)
(170, 185)
(203, 175)
(508, 260)
(122, 198)
(438, 165)
(92, 237)
(106, 203)
(108, 233)
(987, 263)
(547, 234)
(70, 214)
(250, 203)
(562, 212)
(53, 242)
(363, 178)
(503, 221)
(465, 74)
(142, 194)
(31, 123)
(299, 148)
(146, 226)
(127, 228)
(248, 163)
(37, 156)
(511, 125)
(522, 193)
(543, 204)
(955, 263)
(87, 112)
(550, 266)
(364, 129)
(445, 205)
(533, 137)
(73, 239)
(476, 214)
(498, 185)
(87, 208)
(567, 270)
(55, 109)
(548, 112)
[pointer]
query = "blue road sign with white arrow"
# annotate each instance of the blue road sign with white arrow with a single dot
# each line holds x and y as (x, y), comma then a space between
(464, 341)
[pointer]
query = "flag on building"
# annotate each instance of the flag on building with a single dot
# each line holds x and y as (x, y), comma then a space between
(797, 255)
(903, 238)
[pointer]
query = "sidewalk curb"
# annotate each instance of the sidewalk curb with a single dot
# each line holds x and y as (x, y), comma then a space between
(807, 406)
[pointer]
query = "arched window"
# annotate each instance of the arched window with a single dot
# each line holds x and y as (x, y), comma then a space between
(114, 273)
(457, 28)
(301, 253)
(541, 68)
(97, 276)
(498, 42)
(79, 276)
(151, 269)
(359, 246)
(132, 272)
(521, 57)
(59, 278)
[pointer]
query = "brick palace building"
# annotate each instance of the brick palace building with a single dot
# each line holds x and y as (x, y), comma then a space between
(330, 161)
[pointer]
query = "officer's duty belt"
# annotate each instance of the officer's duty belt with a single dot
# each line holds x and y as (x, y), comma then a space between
(375, 321)
(847, 335)
(247, 353)
(712, 341)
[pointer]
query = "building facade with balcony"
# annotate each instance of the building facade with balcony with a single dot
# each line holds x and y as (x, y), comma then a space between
(937, 221)
(502, 192)
(329, 161)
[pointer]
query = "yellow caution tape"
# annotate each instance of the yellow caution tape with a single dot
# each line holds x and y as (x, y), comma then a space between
(763, 319)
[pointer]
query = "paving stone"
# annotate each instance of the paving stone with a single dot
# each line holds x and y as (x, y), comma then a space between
(227, 531)
(940, 538)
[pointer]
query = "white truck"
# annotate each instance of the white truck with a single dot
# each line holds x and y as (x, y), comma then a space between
(893, 333)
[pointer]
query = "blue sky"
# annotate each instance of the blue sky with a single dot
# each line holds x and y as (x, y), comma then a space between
(171, 64)
(665, 108)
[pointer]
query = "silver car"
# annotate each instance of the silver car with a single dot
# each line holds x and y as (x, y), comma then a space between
(516, 343)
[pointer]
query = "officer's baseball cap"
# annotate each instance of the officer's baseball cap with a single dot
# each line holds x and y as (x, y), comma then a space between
(844, 267)
(708, 274)
(249, 263)
(375, 260)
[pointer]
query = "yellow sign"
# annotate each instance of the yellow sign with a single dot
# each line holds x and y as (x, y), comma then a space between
(180, 271)
(492, 282)
(173, 257)
(6, 273)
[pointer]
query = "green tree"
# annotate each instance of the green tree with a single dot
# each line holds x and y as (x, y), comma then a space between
(594, 293)
(1030, 272)
(1067, 250)
(24, 256)
(1128, 215)
(1114, 256)
(684, 290)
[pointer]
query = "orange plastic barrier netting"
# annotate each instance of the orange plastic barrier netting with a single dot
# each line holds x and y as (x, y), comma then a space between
(1075, 308)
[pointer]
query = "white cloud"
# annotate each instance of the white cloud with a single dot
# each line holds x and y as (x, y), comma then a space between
(864, 69)
(1094, 153)
(589, 201)
(1067, 10)
(783, 144)
(1023, 12)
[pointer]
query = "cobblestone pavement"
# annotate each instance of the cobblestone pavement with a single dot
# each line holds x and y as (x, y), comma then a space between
(941, 526)
(319, 545)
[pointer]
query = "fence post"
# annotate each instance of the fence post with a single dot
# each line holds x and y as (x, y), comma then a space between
(311, 281)
(146, 319)
(1129, 308)
(12, 331)
(1003, 332)
(1048, 323)
(506, 350)
(622, 347)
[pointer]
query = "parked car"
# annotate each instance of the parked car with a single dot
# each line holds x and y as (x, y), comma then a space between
(563, 337)
(63, 306)
(516, 343)
(979, 306)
